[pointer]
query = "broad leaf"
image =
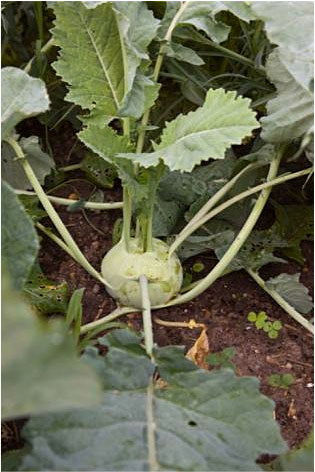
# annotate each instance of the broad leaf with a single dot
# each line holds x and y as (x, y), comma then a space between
(179, 415)
(19, 240)
(299, 459)
(290, 68)
(44, 294)
(40, 368)
(22, 97)
(293, 291)
(206, 133)
(13, 172)
(111, 43)
(182, 53)
(99, 171)
(166, 215)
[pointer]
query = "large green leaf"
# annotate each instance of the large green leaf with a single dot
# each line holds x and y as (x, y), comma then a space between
(206, 133)
(40, 368)
(19, 240)
(290, 67)
(111, 41)
(299, 459)
(13, 172)
(292, 290)
(22, 97)
(197, 420)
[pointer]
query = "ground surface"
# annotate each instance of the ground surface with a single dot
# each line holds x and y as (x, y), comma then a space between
(223, 308)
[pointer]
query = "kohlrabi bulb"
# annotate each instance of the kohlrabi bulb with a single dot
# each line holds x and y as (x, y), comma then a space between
(122, 269)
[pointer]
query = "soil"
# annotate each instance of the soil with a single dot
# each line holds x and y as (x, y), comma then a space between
(223, 308)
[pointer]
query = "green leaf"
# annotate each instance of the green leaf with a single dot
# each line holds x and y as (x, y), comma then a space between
(12, 171)
(180, 417)
(295, 223)
(44, 294)
(206, 133)
(100, 172)
(182, 53)
(299, 459)
(22, 97)
(19, 241)
(106, 40)
(252, 316)
(290, 68)
(74, 312)
(31, 206)
(293, 291)
(40, 370)
(165, 216)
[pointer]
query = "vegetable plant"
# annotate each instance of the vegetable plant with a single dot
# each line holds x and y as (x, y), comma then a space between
(261, 322)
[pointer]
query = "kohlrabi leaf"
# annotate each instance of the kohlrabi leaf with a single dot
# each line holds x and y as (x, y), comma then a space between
(22, 97)
(104, 141)
(19, 240)
(13, 172)
(99, 171)
(111, 41)
(40, 369)
(166, 215)
(44, 294)
(295, 224)
(290, 67)
(182, 53)
(292, 290)
(206, 133)
(163, 425)
(299, 459)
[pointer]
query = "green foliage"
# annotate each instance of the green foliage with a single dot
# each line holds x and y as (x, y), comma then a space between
(222, 359)
(292, 290)
(299, 459)
(12, 171)
(40, 370)
(281, 380)
(19, 241)
(198, 267)
(99, 171)
(206, 133)
(24, 97)
(74, 313)
(44, 294)
(193, 405)
(261, 322)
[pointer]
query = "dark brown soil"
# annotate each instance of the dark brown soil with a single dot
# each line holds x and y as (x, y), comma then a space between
(223, 308)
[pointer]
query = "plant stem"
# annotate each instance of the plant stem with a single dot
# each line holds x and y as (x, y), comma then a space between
(55, 238)
(45, 48)
(127, 213)
(68, 202)
(285, 305)
(146, 315)
(70, 168)
(55, 218)
(190, 228)
(240, 239)
(156, 73)
(112, 316)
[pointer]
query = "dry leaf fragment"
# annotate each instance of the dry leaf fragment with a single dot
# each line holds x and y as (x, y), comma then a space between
(292, 410)
(200, 350)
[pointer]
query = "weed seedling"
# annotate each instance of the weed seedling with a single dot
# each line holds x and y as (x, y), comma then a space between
(261, 322)
(222, 359)
(281, 380)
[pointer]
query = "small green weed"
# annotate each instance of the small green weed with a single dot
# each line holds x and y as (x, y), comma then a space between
(222, 359)
(281, 380)
(261, 322)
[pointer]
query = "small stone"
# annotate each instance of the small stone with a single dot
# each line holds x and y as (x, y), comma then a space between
(288, 365)
(96, 288)
(309, 385)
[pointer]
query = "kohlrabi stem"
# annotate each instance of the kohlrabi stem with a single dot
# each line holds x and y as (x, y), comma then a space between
(68, 202)
(149, 236)
(45, 48)
(56, 240)
(240, 239)
(284, 304)
(70, 167)
(112, 316)
(156, 72)
(218, 195)
(146, 315)
(190, 228)
(55, 218)
(127, 213)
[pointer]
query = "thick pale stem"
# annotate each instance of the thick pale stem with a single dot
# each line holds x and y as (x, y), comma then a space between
(189, 229)
(106, 319)
(146, 315)
(70, 167)
(68, 202)
(218, 195)
(218, 270)
(127, 213)
(156, 72)
(56, 240)
(285, 305)
(55, 218)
